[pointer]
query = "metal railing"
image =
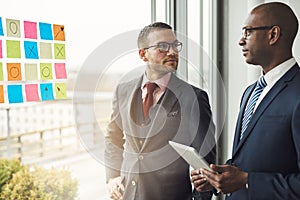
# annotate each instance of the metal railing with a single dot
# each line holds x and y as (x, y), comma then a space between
(49, 144)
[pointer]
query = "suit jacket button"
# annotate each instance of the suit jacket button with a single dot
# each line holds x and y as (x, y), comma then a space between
(141, 157)
(133, 183)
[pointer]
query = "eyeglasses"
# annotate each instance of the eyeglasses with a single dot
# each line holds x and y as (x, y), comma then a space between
(164, 47)
(246, 31)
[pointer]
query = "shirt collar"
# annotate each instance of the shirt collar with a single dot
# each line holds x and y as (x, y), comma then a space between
(277, 72)
(162, 82)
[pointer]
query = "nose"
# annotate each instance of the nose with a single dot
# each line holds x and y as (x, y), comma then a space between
(242, 41)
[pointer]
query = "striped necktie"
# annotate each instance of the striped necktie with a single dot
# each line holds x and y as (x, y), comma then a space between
(260, 85)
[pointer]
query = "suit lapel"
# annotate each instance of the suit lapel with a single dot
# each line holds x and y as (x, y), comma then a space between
(164, 106)
(279, 86)
(245, 99)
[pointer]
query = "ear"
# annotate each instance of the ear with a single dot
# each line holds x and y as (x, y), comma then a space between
(274, 35)
(143, 54)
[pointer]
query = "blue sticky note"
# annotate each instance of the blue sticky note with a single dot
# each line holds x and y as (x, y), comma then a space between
(46, 31)
(1, 27)
(46, 91)
(31, 49)
(15, 93)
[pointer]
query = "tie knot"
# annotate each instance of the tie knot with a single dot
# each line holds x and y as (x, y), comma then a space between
(262, 82)
(151, 87)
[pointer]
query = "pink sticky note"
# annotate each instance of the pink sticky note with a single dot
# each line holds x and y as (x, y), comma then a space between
(60, 70)
(30, 29)
(31, 91)
(1, 49)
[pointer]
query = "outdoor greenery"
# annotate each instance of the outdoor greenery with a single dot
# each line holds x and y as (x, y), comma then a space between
(19, 181)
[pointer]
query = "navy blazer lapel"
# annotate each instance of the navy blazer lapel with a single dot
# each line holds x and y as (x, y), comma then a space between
(245, 99)
(279, 86)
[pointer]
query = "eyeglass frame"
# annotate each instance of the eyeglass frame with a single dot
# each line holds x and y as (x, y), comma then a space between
(169, 46)
(245, 30)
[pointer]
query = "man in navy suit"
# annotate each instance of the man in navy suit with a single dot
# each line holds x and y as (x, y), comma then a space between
(140, 164)
(265, 160)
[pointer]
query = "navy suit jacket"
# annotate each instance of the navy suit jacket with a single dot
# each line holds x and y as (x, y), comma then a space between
(270, 148)
(138, 150)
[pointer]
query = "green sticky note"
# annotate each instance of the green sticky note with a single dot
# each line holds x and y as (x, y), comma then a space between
(59, 51)
(60, 91)
(1, 72)
(13, 49)
(46, 71)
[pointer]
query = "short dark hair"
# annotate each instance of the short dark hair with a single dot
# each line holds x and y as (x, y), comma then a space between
(143, 36)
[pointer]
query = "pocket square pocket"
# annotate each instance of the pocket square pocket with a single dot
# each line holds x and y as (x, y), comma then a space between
(173, 114)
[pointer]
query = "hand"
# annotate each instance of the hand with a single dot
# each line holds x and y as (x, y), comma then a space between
(115, 187)
(199, 181)
(225, 178)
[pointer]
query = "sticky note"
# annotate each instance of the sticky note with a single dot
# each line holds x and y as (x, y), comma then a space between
(13, 28)
(60, 91)
(59, 32)
(46, 90)
(1, 56)
(31, 50)
(13, 49)
(1, 73)
(45, 31)
(31, 91)
(15, 93)
(14, 72)
(1, 27)
(59, 51)
(30, 30)
(46, 71)
(45, 50)
(1, 94)
(60, 71)
(31, 72)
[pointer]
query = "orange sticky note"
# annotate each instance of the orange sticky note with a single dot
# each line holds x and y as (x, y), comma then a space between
(14, 71)
(1, 94)
(59, 32)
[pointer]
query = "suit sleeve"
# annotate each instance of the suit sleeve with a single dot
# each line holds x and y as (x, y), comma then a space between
(205, 141)
(276, 185)
(114, 141)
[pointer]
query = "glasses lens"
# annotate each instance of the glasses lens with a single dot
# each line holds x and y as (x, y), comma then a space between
(163, 46)
(177, 46)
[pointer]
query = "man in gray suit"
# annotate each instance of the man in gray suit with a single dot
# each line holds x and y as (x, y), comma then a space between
(266, 150)
(140, 164)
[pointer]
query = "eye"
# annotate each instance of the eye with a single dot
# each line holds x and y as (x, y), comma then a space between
(163, 46)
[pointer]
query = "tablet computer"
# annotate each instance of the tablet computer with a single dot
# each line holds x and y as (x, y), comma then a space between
(190, 155)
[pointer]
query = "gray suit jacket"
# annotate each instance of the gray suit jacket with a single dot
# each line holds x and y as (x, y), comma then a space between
(270, 148)
(138, 149)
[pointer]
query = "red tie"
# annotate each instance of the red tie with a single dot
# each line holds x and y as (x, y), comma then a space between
(148, 102)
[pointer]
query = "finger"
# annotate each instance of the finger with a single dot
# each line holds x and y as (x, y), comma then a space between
(211, 176)
(220, 168)
(122, 187)
(199, 182)
(197, 178)
(195, 172)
